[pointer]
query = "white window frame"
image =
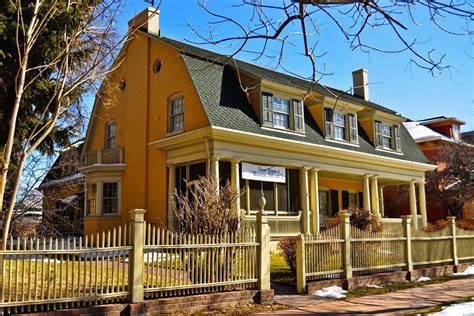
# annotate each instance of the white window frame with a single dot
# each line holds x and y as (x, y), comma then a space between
(171, 116)
(339, 126)
(281, 112)
(99, 181)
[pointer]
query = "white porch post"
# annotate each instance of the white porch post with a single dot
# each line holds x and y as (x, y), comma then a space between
(171, 188)
(381, 207)
(235, 183)
(366, 193)
(413, 210)
(305, 199)
(422, 202)
(314, 185)
(374, 190)
(215, 171)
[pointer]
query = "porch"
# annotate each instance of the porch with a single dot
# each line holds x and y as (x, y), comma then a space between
(315, 182)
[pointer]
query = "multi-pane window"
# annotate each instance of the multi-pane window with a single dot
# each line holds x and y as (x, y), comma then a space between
(324, 203)
(176, 117)
(91, 204)
(339, 126)
(387, 136)
(352, 199)
(110, 198)
(110, 132)
(281, 112)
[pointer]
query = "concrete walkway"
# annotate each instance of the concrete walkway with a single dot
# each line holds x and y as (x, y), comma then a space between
(396, 303)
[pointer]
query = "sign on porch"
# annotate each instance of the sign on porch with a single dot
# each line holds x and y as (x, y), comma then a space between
(263, 173)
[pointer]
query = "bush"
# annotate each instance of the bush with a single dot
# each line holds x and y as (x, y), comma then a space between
(288, 248)
(467, 224)
(438, 225)
(361, 219)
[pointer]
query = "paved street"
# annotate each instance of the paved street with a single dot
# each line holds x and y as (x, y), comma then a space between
(397, 303)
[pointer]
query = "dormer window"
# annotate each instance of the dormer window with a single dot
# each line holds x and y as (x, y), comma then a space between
(282, 113)
(387, 136)
(340, 126)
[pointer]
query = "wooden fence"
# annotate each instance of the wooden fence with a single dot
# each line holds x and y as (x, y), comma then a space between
(344, 250)
(128, 264)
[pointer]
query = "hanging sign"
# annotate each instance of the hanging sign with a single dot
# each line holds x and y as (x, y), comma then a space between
(263, 173)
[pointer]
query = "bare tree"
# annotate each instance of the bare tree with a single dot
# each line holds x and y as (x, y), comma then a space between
(451, 184)
(276, 28)
(90, 45)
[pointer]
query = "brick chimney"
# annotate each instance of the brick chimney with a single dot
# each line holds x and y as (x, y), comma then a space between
(148, 19)
(360, 83)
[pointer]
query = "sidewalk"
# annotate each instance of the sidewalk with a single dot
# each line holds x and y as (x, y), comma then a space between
(396, 303)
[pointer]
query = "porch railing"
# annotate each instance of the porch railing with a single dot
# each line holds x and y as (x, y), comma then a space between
(104, 156)
(280, 225)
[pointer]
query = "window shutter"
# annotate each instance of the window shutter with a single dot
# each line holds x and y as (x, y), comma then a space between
(329, 130)
(267, 109)
(396, 138)
(352, 128)
(361, 199)
(378, 134)
(345, 200)
(298, 116)
(334, 202)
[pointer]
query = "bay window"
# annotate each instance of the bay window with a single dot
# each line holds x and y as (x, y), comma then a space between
(110, 198)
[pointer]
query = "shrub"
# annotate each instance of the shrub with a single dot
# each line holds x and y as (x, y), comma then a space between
(438, 225)
(201, 210)
(288, 248)
(361, 219)
(467, 224)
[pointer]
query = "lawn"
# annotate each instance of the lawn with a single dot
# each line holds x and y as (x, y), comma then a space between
(280, 272)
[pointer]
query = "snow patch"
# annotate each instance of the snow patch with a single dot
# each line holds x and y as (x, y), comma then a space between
(423, 279)
(468, 271)
(374, 286)
(460, 309)
(334, 292)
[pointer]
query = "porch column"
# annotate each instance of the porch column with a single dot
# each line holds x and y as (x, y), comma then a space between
(171, 188)
(413, 210)
(314, 196)
(375, 195)
(422, 202)
(235, 183)
(305, 199)
(366, 192)
(215, 171)
(381, 206)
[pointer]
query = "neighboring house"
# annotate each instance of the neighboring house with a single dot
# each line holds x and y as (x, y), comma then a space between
(431, 134)
(63, 192)
(181, 113)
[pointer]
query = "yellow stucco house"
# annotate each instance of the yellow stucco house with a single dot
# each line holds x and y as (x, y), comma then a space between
(182, 112)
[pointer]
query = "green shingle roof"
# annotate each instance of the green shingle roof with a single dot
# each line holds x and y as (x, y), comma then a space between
(226, 105)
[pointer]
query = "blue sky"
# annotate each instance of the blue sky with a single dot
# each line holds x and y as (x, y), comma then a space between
(395, 83)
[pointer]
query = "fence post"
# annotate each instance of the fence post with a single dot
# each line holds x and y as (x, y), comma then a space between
(263, 238)
(406, 222)
(300, 265)
(136, 255)
(346, 235)
(452, 232)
